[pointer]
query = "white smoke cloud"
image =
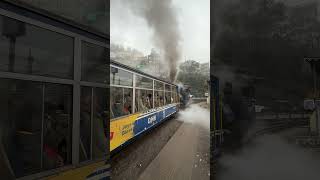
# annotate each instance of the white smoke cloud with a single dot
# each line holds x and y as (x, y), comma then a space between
(269, 157)
(196, 115)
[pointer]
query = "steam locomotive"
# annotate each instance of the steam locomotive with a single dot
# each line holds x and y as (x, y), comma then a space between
(185, 95)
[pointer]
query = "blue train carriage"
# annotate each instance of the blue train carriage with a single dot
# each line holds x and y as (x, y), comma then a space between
(138, 102)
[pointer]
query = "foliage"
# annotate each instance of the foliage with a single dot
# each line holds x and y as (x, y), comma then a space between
(194, 75)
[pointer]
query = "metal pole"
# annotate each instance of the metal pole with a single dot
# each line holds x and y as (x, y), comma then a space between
(314, 80)
(315, 97)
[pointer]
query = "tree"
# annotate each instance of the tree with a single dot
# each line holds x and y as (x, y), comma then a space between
(192, 73)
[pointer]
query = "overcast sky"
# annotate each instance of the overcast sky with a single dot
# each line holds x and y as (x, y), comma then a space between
(194, 23)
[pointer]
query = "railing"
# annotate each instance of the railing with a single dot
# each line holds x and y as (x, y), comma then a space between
(284, 115)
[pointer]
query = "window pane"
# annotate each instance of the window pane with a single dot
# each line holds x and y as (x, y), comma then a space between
(85, 123)
(57, 126)
(91, 13)
(158, 85)
(120, 101)
(100, 123)
(29, 49)
(120, 77)
(94, 63)
(168, 87)
(158, 98)
(144, 100)
(20, 126)
(168, 98)
(144, 82)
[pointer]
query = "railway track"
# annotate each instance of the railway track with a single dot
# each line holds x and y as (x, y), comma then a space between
(278, 125)
(274, 126)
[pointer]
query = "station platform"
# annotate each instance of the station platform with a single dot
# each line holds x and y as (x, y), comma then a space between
(185, 156)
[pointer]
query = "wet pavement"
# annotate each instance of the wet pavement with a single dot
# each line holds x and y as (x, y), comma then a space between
(185, 156)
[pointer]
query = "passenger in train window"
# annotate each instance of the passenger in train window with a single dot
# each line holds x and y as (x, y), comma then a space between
(161, 99)
(117, 108)
(156, 99)
(150, 102)
(127, 107)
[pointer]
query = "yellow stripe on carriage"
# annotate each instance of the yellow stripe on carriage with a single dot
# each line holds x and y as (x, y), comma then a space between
(121, 130)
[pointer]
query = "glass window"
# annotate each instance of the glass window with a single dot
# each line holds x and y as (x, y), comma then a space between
(100, 123)
(168, 98)
(97, 117)
(85, 123)
(120, 77)
(168, 87)
(144, 82)
(158, 98)
(29, 49)
(94, 63)
(20, 127)
(158, 85)
(93, 13)
(120, 101)
(144, 100)
(57, 126)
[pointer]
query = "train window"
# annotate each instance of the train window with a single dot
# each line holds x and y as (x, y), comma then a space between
(120, 77)
(144, 82)
(57, 126)
(158, 85)
(94, 61)
(20, 127)
(144, 100)
(120, 101)
(167, 97)
(168, 87)
(85, 123)
(32, 50)
(100, 105)
(95, 98)
(158, 98)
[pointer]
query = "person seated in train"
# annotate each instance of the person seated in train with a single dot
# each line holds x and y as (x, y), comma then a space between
(126, 108)
(161, 100)
(117, 108)
(157, 100)
(52, 143)
(141, 104)
(149, 101)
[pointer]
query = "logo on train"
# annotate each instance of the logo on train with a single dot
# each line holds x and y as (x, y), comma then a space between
(152, 119)
(111, 135)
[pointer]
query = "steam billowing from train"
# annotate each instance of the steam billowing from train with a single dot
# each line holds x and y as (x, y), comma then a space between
(160, 16)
